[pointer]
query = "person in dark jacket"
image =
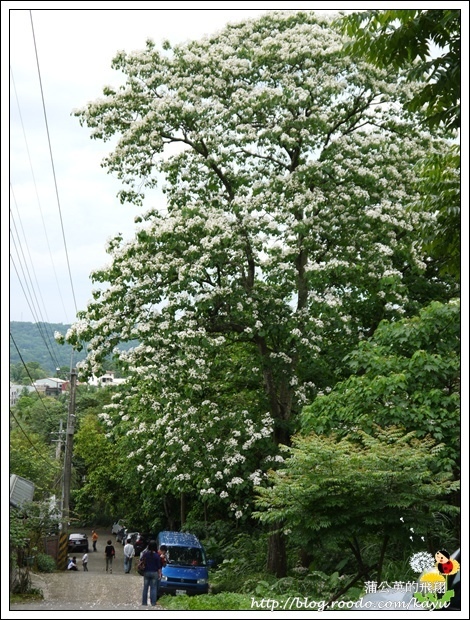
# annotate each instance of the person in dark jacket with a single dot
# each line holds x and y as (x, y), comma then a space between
(152, 573)
(109, 553)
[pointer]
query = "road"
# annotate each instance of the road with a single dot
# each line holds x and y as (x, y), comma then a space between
(93, 590)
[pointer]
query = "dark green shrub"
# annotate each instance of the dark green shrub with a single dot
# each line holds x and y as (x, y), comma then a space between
(45, 563)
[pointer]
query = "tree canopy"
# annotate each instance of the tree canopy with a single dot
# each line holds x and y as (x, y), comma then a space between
(290, 231)
(407, 375)
(426, 44)
(356, 489)
(423, 45)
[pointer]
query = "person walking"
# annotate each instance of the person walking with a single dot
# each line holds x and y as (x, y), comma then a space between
(85, 561)
(109, 553)
(152, 573)
(94, 538)
(129, 553)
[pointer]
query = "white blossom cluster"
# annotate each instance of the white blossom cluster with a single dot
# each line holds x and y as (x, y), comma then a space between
(288, 210)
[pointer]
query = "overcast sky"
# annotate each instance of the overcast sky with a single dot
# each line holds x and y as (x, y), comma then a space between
(63, 205)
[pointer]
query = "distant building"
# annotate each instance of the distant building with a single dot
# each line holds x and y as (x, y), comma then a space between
(16, 391)
(51, 386)
(107, 379)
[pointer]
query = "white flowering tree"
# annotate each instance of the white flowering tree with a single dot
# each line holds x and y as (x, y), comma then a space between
(286, 237)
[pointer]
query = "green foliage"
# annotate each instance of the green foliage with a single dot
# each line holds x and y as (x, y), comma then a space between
(95, 497)
(402, 39)
(31, 458)
(357, 488)
(243, 570)
(22, 583)
(41, 415)
(45, 563)
(18, 530)
(244, 557)
(424, 44)
(229, 601)
(440, 187)
(407, 375)
(38, 522)
(26, 374)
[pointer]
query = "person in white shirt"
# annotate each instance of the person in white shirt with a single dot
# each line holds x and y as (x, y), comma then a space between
(85, 561)
(129, 553)
(72, 564)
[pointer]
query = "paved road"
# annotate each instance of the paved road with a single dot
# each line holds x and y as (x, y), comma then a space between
(93, 590)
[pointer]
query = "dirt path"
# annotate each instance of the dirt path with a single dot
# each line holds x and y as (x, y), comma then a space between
(92, 590)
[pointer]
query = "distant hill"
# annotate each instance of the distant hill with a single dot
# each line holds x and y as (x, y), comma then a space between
(35, 342)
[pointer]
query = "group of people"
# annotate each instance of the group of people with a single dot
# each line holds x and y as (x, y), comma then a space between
(155, 559)
(72, 565)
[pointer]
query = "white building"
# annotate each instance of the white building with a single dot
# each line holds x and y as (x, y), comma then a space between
(107, 379)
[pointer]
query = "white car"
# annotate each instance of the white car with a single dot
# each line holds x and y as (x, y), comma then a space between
(117, 527)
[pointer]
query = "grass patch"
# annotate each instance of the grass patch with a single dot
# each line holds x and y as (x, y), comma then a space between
(25, 597)
(225, 601)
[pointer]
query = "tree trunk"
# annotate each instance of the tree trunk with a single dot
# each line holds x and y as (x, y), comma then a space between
(182, 508)
(277, 562)
(381, 559)
(305, 558)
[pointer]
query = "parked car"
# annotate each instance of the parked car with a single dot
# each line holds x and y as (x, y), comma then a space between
(78, 542)
(117, 527)
(132, 536)
(142, 540)
(186, 571)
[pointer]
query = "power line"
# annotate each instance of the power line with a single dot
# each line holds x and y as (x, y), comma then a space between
(38, 324)
(53, 167)
(48, 461)
(37, 195)
(54, 358)
(30, 377)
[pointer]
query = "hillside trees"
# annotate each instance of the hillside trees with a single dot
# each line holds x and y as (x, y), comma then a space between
(43, 414)
(34, 343)
(25, 374)
(288, 235)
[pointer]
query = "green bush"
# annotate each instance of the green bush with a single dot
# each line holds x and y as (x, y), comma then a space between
(45, 563)
(226, 601)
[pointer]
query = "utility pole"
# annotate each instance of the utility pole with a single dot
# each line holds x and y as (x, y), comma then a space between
(67, 471)
(58, 449)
